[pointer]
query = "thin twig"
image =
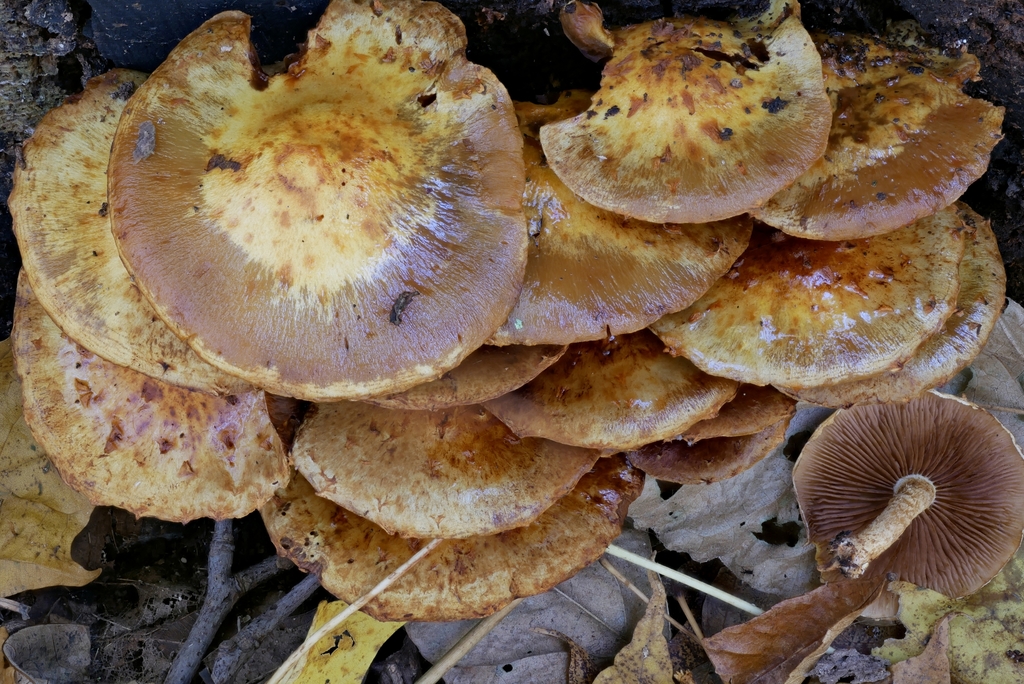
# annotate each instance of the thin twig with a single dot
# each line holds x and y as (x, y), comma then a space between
(465, 645)
(582, 607)
(690, 619)
(1002, 409)
(234, 652)
(288, 668)
(722, 596)
(636, 590)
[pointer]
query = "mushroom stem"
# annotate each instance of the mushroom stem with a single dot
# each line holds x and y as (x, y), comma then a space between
(852, 553)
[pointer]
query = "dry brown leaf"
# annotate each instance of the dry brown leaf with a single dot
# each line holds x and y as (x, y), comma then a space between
(645, 660)
(783, 644)
(932, 665)
(582, 669)
(849, 665)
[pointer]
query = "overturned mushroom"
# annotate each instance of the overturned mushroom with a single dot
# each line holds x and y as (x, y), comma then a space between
(697, 119)
(124, 439)
(930, 490)
(381, 226)
(462, 578)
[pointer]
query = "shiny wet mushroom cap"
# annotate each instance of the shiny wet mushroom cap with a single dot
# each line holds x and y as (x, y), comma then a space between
(930, 490)
(615, 394)
(458, 472)
(803, 313)
(462, 578)
(905, 141)
(61, 220)
(697, 119)
(589, 272)
(127, 440)
(381, 226)
(752, 409)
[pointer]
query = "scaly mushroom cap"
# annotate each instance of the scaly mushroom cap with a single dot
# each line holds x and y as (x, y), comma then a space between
(803, 313)
(367, 202)
(940, 357)
(590, 273)
(697, 120)
(905, 140)
(615, 394)
(487, 373)
(754, 409)
(709, 460)
(453, 473)
(845, 476)
(59, 205)
(462, 578)
(124, 439)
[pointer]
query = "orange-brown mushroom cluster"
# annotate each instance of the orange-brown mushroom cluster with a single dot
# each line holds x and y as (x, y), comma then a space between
(463, 285)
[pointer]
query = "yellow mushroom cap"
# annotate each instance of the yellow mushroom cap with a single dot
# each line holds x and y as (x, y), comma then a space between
(943, 355)
(453, 473)
(461, 578)
(905, 140)
(697, 120)
(124, 439)
(59, 206)
(367, 202)
(591, 273)
(614, 394)
(803, 313)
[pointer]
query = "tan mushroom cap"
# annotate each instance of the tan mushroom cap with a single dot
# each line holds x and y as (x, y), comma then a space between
(617, 394)
(803, 313)
(697, 120)
(709, 460)
(487, 373)
(462, 578)
(752, 410)
(453, 473)
(905, 140)
(953, 348)
(59, 205)
(591, 273)
(367, 202)
(124, 439)
(845, 476)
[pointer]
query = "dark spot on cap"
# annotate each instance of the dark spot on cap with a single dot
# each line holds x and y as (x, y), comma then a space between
(219, 161)
(774, 106)
(612, 111)
(916, 70)
(103, 209)
(123, 91)
(145, 143)
(725, 134)
(401, 302)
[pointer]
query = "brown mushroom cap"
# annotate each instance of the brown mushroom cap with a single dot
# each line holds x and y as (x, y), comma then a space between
(845, 476)
(616, 394)
(381, 226)
(802, 313)
(589, 272)
(462, 578)
(752, 410)
(905, 140)
(487, 373)
(709, 460)
(59, 205)
(697, 120)
(124, 439)
(453, 473)
(940, 357)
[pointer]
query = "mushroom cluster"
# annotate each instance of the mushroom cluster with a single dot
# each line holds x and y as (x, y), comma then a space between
(477, 294)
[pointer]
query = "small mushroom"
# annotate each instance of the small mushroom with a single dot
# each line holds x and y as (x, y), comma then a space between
(124, 439)
(583, 24)
(930, 490)
(803, 313)
(905, 141)
(366, 203)
(697, 119)
(752, 410)
(940, 357)
(615, 394)
(461, 578)
(62, 222)
(453, 473)
(589, 272)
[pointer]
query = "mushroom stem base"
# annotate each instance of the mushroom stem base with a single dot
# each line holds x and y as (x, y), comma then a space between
(852, 553)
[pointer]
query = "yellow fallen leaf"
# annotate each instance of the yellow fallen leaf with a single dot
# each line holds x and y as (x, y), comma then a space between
(39, 514)
(645, 659)
(345, 656)
(985, 635)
